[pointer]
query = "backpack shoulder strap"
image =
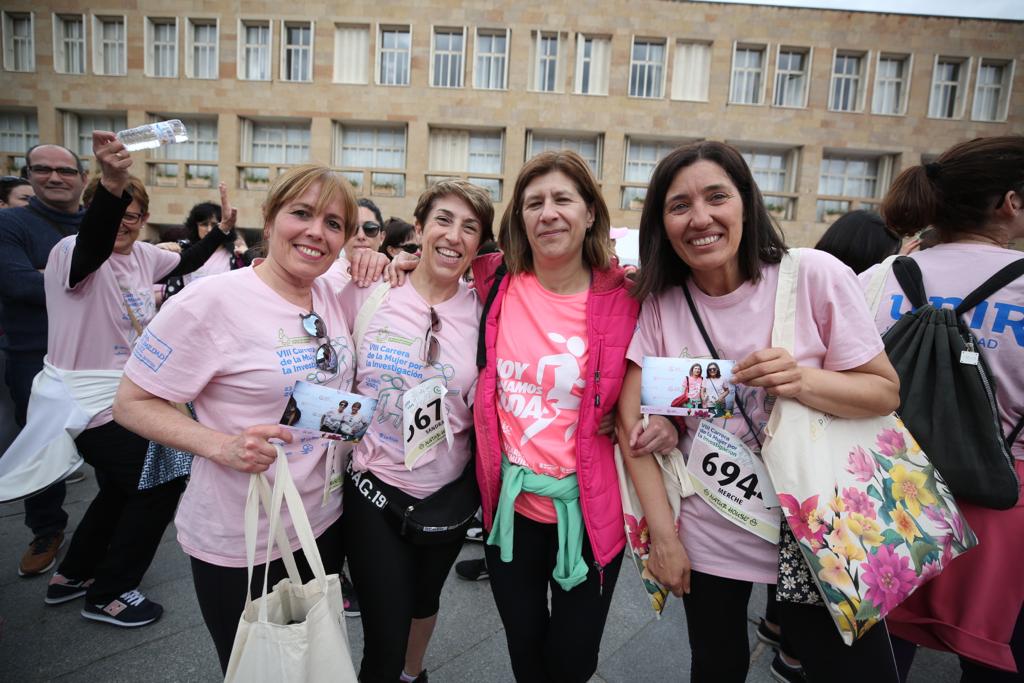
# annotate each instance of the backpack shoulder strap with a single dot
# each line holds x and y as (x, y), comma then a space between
(367, 311)
(1014, 433)
(908, 274)
(1002, 277)
(481, 342)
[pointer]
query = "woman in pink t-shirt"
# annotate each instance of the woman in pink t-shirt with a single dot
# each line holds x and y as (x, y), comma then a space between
(420, 334)
(707, 243)
(99, 298)
(973, 195)
(235, 345)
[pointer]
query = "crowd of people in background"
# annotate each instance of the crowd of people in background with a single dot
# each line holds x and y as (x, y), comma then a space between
(534, 336)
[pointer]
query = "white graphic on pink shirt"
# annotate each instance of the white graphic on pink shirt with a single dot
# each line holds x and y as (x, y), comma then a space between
(566, 370)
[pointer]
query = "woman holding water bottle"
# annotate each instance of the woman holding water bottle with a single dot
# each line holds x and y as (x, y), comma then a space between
(235, 345)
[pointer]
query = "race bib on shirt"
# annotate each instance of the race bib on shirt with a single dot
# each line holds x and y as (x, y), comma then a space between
(733, 481)
(425, 419)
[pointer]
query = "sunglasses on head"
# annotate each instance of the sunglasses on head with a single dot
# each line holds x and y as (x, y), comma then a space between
(371, 228)
(431, 345)
(409, 248)
(326, 357)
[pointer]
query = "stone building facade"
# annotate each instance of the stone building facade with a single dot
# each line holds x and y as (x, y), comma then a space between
(827, 105)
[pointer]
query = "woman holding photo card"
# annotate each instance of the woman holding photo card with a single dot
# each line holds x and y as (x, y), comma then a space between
(710, 256)
(235, 345)
(412, 347)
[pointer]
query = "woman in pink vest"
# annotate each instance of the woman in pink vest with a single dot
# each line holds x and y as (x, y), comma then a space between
(556, 324)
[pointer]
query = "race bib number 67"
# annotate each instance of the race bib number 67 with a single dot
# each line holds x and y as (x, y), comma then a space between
(424, 419)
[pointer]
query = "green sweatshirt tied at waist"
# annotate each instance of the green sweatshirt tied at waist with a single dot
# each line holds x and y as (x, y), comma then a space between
(570, 569)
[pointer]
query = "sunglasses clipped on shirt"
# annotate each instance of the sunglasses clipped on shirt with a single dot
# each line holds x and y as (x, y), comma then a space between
(431, 345)
(63, 171)
(326, 356)
(371, 228)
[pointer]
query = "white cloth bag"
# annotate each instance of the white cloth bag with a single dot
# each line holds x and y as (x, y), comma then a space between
(296, 632)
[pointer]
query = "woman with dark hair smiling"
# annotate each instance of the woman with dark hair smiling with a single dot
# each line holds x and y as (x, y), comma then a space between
(399, 236)
(710, 255)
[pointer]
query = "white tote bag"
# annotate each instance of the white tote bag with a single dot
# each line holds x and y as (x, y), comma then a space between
(296, 632)
(871, 516)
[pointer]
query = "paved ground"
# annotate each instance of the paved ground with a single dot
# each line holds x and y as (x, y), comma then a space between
(39, 642)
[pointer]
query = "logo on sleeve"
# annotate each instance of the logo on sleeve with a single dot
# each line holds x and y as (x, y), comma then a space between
(152, 351)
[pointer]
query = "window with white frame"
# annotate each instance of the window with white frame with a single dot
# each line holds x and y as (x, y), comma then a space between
(642, 155)
(394, 53)
(78, 128)
(892, 81)
(448, 60)
(375, 148)
(477, 155)
(691, 71)
(774, 170)
(351, 54)
(19, 42)
(792, 65)
(992, 90)
(254, 50)
(110, 53)
(647, 68)
(69, 43)
(491, 68)
(267, 145)
(747, 85)
(202, 146)
(587, 145)
(18, 132)
(161, 48)
(593, 62)
(201, 50)
(297, 51)
(851, 181)
(847, 91)
(547, 71)
(949, 86)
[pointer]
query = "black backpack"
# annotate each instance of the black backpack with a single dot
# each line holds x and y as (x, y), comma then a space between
(948, 394)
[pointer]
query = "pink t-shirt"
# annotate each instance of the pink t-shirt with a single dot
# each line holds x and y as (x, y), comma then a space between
(89, 327)
(950, 272)
(235, 347)
(337, 275)
(391, 361)
(833, 331)
(219, 262)
(541, 360)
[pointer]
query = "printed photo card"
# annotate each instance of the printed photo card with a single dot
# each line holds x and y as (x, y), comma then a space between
(694, 387)
(336, 414)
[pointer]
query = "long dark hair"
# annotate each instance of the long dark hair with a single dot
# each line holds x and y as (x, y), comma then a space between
(860, 239)
(957, 192)
(660, 266)
(200, 213)
(396, 232)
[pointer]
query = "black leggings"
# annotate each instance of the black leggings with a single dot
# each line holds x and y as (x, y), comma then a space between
(221, 590)
(396, 580)
(716, 618)
(560, 645)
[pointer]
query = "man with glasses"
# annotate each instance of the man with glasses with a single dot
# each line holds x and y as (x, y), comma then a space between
(27, 235)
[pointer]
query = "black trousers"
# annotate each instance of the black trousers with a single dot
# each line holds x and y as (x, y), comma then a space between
(221, 590)
(716, 618)
(397, 582)
(560, 645)
(119, 534)
(44, 513)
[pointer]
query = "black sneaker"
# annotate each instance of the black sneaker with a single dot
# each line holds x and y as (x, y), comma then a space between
(62, 589)
(472, 570)
(767, 636)
(786, 673)
(128, 609)
(348, 595)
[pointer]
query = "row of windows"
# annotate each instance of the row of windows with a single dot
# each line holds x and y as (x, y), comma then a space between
(648, 68)
(373, 158)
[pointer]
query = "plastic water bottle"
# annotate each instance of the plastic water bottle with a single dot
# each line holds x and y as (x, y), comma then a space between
(153, 135)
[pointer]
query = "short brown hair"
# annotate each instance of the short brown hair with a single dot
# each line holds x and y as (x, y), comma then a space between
(474, 195)
(296, 181)
(597, 245)
(135, 189)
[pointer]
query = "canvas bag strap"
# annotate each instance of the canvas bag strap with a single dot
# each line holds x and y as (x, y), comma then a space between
(1000, 279)
(873, 295)
(259, 492)
(784, 327)
(367, 311)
